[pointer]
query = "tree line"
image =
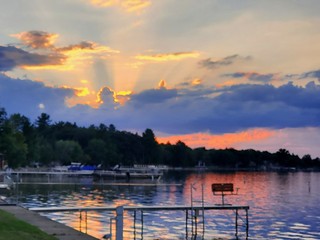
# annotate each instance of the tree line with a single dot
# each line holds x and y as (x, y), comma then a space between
(45, 143)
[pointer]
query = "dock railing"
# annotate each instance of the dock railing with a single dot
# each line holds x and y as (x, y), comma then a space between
(118, 210)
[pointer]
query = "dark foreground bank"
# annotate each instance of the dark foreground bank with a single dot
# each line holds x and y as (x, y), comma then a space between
(18, 223)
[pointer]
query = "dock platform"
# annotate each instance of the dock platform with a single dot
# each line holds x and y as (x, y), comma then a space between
(140, 210)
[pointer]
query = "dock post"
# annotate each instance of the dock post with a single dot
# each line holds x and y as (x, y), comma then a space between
(86, 218)
(236, 224)
(80, 220)
(119, 223)
(247, 225)
(187, 223)
(134, 223)
(141, 224)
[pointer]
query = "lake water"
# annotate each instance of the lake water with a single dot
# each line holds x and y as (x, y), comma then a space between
(282, 205)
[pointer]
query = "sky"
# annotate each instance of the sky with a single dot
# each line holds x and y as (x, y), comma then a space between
(211, 73)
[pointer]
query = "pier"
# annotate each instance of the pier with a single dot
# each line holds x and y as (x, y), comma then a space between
(139, 211)
(126, 173)
(195, 224)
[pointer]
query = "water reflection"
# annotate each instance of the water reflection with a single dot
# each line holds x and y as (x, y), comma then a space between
(282, 205)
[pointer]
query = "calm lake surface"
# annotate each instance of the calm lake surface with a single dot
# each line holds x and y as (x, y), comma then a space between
(283, 205)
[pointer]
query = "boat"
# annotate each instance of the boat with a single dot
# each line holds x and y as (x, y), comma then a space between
(135, 172)
(6, 183)
(76, 168)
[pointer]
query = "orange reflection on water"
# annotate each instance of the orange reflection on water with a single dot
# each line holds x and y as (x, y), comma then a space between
(246, 183)
(97, 223)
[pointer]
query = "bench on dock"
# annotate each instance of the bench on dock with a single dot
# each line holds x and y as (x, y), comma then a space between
(223, 189)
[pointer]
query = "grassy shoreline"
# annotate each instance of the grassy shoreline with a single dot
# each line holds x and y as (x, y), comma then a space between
(12, 228)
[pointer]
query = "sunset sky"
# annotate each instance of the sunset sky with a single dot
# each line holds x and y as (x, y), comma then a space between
(241, 74)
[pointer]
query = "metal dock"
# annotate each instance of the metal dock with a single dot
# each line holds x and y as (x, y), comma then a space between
(138, 213)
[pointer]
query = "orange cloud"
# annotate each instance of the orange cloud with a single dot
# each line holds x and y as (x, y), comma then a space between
(83, 91)
(162, 83)
(168, 56)
(85, 50)
(84, 81)
(219, 141)
(86, 47)
(103, 3)
(135, 5)
(196, 81)
(108, 96)
(75, 54)
(49, 56)
(227, 84)
(59, 67)
(83, 95)
(128, 5)
(37, 39)
(122, 97)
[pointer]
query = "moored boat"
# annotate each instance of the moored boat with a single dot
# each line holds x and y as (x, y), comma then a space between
(6, 183)
(136, 172)
(76, 168)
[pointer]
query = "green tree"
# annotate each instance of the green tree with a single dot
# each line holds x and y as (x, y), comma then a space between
(43, 122)
(285, 159)
(97, 151)
(166, 154)
(150, 146)
(44, 152)
(67, 151)
(182, 155)
(12, 142)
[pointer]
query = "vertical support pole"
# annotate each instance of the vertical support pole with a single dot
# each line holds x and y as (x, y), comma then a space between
(141, 224)
(86, 217)
(236, 224)
(202, 212)
(110, 234)
(247, 225)
(134, 223)
(192, 210)
(222, 195)
(119, 223)
(196, 214)
(187, 211)
(80, 220)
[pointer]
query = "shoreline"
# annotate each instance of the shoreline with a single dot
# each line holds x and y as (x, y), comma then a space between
(52, 228)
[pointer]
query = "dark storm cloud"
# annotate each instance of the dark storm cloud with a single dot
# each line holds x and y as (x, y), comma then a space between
(176, 111)
(311, 74)
(252, 76)
(154, 96)
(212, 64)
(26, 96)
(231, 109)
(11, 57)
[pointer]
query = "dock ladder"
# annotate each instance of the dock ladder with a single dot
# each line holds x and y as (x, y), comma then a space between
(196, 215)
